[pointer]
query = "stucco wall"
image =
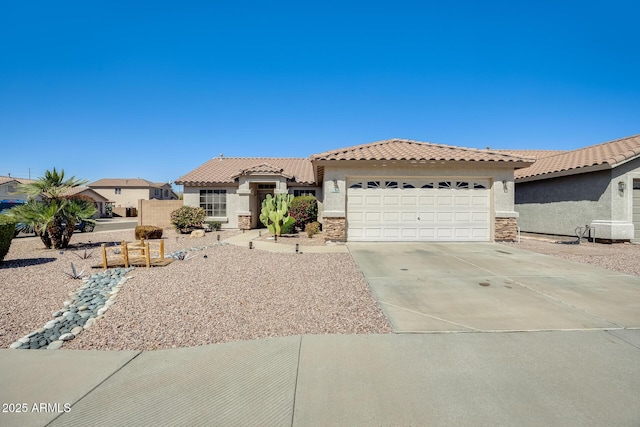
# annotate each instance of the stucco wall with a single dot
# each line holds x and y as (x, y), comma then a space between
(622, 203)
(559, 205)
(192, 198)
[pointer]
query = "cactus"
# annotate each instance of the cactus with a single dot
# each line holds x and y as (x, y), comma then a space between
(275, 213)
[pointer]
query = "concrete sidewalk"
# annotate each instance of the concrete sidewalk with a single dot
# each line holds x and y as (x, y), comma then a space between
(465, 379)
(243, 240)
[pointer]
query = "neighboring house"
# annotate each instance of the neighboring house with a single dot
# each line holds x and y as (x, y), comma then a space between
(125, 192)
(8, 194)
(9, 197)
(393, 190)
(100, 201)
(597, 186)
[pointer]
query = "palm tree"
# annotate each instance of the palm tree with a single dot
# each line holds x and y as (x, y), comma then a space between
(51, 213)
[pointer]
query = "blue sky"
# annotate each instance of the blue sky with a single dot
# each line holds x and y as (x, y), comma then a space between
(154, 89)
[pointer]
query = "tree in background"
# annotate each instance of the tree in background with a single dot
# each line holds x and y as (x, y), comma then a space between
(51, 211)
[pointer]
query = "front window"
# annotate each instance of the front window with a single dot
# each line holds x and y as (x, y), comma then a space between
(297, 193)
(156, 192)
(214, 202)
(118, 190)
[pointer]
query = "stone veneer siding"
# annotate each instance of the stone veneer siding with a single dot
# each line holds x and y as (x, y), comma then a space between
(506, 229)
(335, 229)
(244, 222)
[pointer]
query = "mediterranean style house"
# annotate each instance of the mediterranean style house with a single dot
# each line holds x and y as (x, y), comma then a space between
(125, 192)
(392, 190)
(598, 186)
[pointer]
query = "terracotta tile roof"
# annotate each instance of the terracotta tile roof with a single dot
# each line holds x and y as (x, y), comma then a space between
(125, 182)
(403, 149)
(595, 157)
(82, 189)
(221, 170)
(533, 154)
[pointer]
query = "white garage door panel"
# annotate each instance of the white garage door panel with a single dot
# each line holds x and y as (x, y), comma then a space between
(391, 217)
(427, 200)
(391, 232)
(394, 210)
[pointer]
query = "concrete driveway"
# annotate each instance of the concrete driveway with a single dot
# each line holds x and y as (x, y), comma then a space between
(437, 287)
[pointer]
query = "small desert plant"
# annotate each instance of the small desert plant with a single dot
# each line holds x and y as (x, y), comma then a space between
(187, 218)
(74, 274)
(83, 255)
(7, 231)
(304, 209)
(312, 228)
(145, 232)
(215, 225)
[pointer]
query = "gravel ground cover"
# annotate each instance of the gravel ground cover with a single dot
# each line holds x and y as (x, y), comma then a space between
(220, 294)
(300, 238)
(622, 257)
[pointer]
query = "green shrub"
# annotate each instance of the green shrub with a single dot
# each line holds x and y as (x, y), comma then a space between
(187, 218)
(304, 209)
(7, 231)
(215, 225)
(146, 232)
(288, 228)
(312, 228)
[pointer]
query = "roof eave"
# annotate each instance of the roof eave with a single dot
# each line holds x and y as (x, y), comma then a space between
(518, 164)
(567, 172)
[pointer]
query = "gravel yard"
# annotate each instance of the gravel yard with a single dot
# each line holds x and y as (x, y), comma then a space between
(232, 294)
(300, 238)
(622, 257)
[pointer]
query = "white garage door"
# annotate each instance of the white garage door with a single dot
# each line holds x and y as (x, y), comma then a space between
(410, 210)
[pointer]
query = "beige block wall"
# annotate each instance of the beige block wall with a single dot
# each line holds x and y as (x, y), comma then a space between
(157, 212)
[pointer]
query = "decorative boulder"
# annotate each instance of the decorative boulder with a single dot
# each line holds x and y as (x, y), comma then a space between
(197, 233)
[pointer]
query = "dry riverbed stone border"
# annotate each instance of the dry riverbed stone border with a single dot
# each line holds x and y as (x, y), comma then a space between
(85, 307)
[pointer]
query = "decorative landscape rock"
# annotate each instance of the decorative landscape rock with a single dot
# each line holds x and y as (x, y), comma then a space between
(86, 306)
(197, 233)
(55, 345)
